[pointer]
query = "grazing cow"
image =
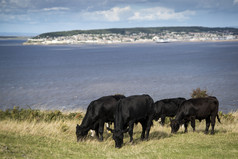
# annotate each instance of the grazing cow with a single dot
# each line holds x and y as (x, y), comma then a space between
(131, 110)
(167, 108)
(98, 112)
(196, 108)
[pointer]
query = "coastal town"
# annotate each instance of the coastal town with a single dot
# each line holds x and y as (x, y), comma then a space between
(114, 38)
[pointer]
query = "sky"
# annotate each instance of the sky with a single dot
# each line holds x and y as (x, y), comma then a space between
(40, 16)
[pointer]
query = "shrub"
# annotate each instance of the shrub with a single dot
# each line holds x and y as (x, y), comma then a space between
(64, 127)
(2, 114)
(72, 116)
(78, 116)
(228, 116)
(36, 115)
(53, 115)
(198, 93)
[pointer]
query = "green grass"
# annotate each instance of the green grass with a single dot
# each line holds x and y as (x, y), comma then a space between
(191, 145)
(57, 139)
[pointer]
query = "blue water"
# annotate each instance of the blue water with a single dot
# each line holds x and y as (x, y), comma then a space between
(68, 77)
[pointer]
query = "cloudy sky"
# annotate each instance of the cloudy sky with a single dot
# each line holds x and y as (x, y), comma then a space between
(39, 16)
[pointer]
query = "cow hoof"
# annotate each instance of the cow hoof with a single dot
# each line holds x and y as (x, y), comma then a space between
(142, 137)
(206, 132)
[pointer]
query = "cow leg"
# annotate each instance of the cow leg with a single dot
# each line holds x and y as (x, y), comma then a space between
(100, 130)
(193, 123)
(96, 130)
(148, 125)
(186, 126)
(213, 121)
(208, 121)
(143, 124)
(131, 126)
(162, 120)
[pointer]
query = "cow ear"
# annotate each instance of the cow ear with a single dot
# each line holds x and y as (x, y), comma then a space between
(109, 129)
(126, 130)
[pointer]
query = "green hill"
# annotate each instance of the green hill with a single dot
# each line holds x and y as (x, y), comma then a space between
(148, 30)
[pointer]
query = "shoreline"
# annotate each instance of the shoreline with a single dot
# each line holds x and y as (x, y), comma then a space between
(14, 38)
(116, 43)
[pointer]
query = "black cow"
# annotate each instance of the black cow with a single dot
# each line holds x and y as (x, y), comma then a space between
(196, 108)
(98, 112)
(167, 108)
(131, 110)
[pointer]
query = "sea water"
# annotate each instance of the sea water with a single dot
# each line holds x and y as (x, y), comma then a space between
(69, 77)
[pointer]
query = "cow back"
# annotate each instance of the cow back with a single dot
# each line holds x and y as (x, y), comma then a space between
(102, 108)
(199, 107)
(133, 108)
(168, 107)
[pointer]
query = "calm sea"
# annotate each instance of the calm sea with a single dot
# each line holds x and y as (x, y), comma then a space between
(69, 77)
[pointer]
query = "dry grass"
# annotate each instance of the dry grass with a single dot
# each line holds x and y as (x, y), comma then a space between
(56, 129)
(57, 139)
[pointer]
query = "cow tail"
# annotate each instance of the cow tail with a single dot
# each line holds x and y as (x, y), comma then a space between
(217, 103)
(218, 118)
(152, 108)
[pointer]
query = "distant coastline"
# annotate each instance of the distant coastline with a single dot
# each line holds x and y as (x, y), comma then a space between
(14, 37)
(108, 43)
(136, 35)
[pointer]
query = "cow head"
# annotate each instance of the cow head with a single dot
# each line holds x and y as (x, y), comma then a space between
(118, 137)
(174, 124)
(80, 133)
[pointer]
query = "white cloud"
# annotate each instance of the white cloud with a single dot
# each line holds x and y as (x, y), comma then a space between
(235, 2)
(112, 15)
(161, 13)
(127, 13)
(55, 9)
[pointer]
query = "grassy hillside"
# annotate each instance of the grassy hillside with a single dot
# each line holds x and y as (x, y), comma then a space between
(148, 30)
(55, 138)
